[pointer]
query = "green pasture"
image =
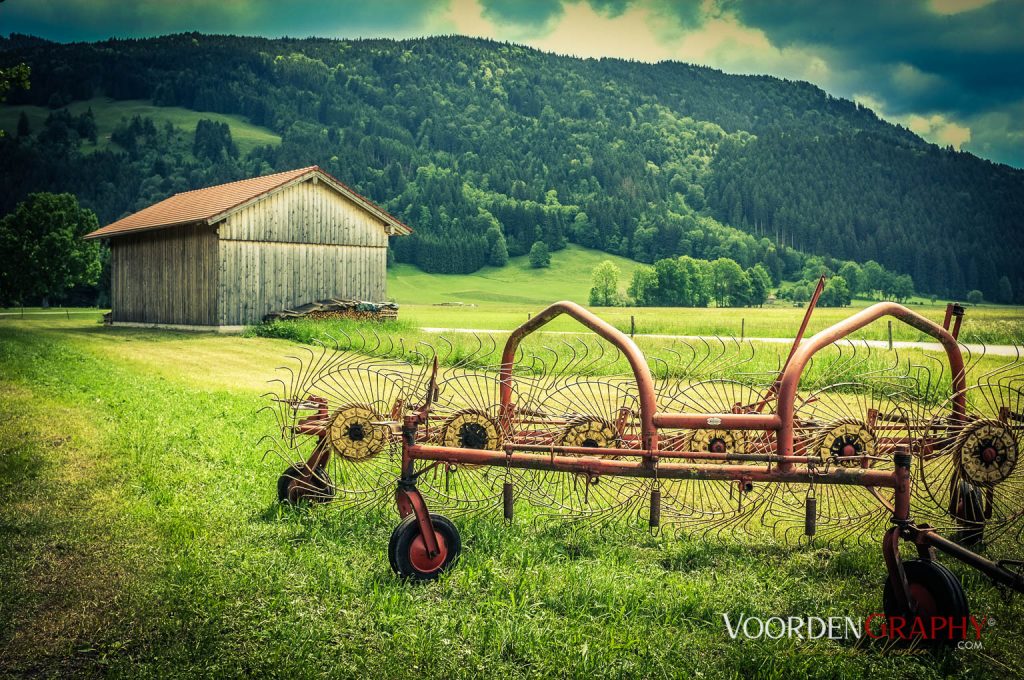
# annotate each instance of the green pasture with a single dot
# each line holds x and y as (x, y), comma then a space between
(109, 113)
(915, 371)
(502, 298)
(140, 537)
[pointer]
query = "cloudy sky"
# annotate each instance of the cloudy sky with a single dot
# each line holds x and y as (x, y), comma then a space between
(950, 70)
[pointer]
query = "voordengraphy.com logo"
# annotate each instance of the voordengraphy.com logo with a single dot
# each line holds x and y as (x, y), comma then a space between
(965, 630)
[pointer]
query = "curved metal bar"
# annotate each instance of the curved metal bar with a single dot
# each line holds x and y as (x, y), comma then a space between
(789, 382)
(641, 372)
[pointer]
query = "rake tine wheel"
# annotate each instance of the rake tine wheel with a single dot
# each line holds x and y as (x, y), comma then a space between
(713, 507)
(851, 425)
(970, 466)
(341, 399)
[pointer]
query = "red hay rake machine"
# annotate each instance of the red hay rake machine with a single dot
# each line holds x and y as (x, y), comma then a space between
(692, 441)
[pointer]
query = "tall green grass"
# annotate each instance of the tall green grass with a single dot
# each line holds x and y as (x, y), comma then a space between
(139, 537)
(755, 363)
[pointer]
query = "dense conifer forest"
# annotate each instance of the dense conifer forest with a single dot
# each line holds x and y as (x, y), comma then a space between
(486, 148)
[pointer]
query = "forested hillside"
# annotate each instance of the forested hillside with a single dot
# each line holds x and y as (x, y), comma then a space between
(485, 148)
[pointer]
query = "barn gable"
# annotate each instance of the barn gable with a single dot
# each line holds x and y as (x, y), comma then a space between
(227, 255)
(304, 243)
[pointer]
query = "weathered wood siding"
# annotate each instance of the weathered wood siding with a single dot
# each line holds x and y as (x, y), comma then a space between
(165, 276)
(301, 244)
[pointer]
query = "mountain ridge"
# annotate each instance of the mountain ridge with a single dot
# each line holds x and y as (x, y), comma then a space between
(460, 136)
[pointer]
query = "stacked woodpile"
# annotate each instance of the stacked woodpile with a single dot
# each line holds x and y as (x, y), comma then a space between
(339, 309)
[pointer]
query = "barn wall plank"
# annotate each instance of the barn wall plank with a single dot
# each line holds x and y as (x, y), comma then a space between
(166, 276)
(284, 275)
(305, 213)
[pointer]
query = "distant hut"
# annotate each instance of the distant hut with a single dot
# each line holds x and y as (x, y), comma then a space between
(225, 256)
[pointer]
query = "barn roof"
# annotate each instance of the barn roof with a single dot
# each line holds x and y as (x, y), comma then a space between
(213, 204)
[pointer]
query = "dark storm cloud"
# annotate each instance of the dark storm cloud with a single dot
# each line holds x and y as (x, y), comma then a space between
(610, 8)
(690, 14)
(529, 13)
(912, 56)
(74, 20)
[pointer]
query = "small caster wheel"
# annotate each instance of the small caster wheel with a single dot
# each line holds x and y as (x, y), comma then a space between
(407, 551)
(319, 489)
(938, 594)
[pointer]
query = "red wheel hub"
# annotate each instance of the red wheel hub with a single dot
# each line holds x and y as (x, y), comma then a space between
(989, 454)
(419, 557)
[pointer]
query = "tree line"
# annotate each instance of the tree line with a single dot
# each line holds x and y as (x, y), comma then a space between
(688, 282)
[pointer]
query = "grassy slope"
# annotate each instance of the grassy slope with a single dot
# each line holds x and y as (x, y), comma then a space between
(515, 284)
(138, 536)
(109, 113)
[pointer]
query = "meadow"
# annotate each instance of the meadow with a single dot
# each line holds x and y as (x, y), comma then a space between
(499, 299)
(502, 298)
(140, 536)
(108, 114)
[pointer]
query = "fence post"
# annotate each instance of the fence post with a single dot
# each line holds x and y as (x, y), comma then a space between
(632, 325)
(890, 334)
(743, 329)
(528, 316)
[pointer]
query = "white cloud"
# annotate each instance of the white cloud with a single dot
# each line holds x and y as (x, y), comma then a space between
(586, 33)
(464, 17)
(913, 80)
(956, 6)
(935, 127)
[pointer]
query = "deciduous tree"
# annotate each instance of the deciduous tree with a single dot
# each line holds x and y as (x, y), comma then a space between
(42, 249)
(604, 289)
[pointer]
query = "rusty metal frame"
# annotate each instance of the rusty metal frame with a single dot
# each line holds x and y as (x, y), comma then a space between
(622, 461)
(646, 460)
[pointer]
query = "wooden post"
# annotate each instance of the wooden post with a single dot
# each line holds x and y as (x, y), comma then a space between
(632, 325)
(528, 315)
(743, 328)
(890, 333)
(67, 313)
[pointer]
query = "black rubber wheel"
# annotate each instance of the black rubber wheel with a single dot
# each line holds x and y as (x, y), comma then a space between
(938, 594)
(321, 488)
(408, 554)
(968, 508)
(399, 528)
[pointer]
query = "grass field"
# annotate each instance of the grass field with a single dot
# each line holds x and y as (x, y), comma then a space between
(515, 284)
(139, 536)
(750, 362)
(109, 112)
(500, 299)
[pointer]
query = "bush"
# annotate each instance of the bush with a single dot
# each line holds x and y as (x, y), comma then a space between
(308, 331)
(975, 297)
(539, 255)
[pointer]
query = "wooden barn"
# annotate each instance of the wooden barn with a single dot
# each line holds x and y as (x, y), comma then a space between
(227, 255)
